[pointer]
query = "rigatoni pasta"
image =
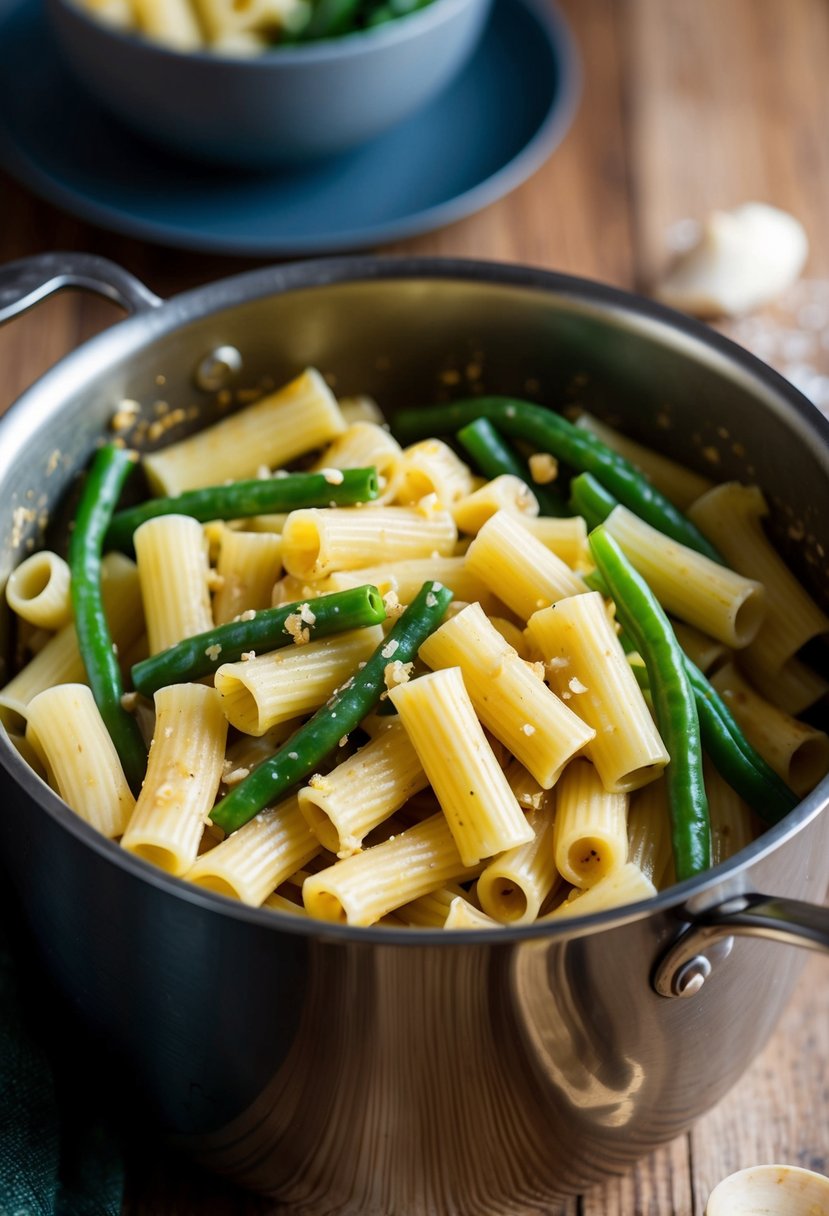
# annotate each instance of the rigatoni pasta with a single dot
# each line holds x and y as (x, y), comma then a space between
(513, 745)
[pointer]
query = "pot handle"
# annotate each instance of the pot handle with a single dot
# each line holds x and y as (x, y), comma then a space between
(691, 958)
(28, 281)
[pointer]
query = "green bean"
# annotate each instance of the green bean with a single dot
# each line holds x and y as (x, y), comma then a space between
(342, 713)
(493, 456)
(735, 759)
(200, 655)
(674, 703)
(550, 432)
(590, 499)
(240, 499)
(103, 485)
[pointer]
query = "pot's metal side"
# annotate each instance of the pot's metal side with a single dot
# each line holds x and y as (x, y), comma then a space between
(353, 1078)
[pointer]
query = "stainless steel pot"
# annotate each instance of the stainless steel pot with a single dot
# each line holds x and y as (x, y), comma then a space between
(382, 1071)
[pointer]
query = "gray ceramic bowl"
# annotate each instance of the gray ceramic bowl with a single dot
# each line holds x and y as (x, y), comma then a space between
(288, 104)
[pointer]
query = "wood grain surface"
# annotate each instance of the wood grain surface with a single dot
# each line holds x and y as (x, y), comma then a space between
(687, 105)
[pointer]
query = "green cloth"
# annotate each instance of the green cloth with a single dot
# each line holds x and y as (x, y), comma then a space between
(59, 1151)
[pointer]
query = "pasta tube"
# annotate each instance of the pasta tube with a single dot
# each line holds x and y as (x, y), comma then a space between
(59, 661)
(430, 911)
(38, 590)
(588, 668)
(797, 752)
(513, 887)
(431, 467)
(183, 774)
(731, 516)
(407, 577)
(343, 806)
(298, 418)
(363, 445)
(464, 915)
(627, 885)
(251, 864)
(249, 564)
(566, 537)
(590, 838)
(318, 541)
(172, 565)
(262, 692)
(509, 698)
(67, 732)
(688, 584)
(649, 833)
(519, 568)
(170, 22)
(482, 812)
(504, 493)
(367, 886)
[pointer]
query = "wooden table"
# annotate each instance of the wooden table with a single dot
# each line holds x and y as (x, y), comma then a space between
(688, 105)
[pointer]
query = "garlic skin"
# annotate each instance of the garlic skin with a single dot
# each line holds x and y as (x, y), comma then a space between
(770, 1190)
(743, 260)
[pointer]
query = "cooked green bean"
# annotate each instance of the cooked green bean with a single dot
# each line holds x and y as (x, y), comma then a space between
(550, 432)
(734, 758)
(265, 630)
(673, 699)
(103, 485)
(590, 499)
(493, 456)
(258, 496)
(342, 713)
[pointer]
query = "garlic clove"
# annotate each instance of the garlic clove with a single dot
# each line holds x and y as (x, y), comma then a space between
(742, 260)
(771, 1190)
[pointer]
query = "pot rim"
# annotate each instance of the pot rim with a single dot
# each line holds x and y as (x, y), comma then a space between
(34, 407)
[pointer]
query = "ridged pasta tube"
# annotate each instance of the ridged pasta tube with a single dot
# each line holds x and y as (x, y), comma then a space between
(649, 833)
(183, 774)
(464, 915)
(262, 692)
(431, 467)
(298, 418)
(512, 888)
(407, 577)
(362, 446)
(38, 590)
(251, 863)
(518, 568)
(318, 541)
(509, 698)
(627, 885)
(67, 732)
(688, 584)
(430, 911)
(248, 566)
(367, 886)
(731, 517)
(566, 537)
(479, 805)
(588, 668)
(172, 565)
(798, 752)
(591, 832)
(342, 806)
(59, 661)
(504, 493)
